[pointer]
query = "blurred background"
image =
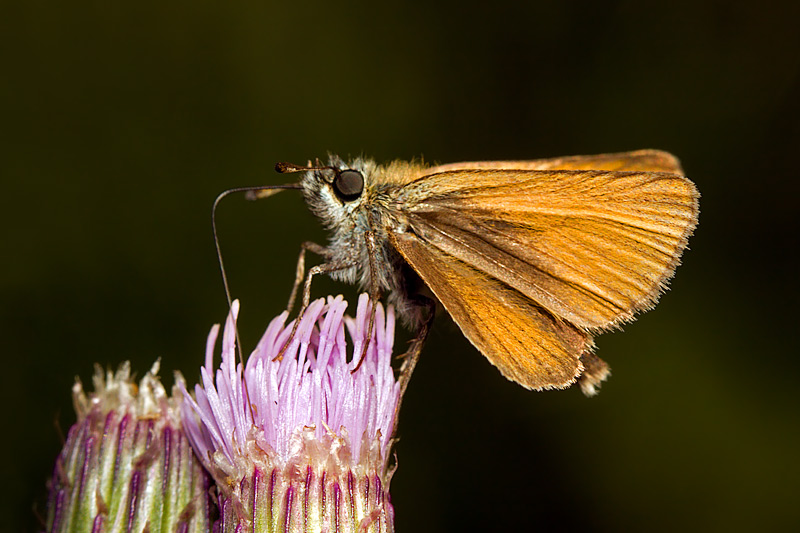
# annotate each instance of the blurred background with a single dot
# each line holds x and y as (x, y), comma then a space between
(121, 123)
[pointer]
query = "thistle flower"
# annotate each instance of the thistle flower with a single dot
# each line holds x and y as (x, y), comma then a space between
(300, 443)
(126, 464)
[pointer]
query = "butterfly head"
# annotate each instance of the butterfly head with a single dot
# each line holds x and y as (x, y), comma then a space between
(335, 192)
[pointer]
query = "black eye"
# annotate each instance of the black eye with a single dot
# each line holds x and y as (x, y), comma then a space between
(348, 184)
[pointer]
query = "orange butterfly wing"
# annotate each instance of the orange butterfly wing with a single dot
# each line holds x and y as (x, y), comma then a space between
(639, 160)
(591, 247)
(527, 344)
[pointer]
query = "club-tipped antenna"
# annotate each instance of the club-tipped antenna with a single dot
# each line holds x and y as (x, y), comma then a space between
(223, 194)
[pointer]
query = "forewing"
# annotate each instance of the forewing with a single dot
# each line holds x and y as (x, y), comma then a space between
(592, 247)
(639, 160)
(526, 343)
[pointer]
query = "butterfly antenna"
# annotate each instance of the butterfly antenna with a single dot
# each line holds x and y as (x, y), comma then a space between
(252, 193)
(283, 167)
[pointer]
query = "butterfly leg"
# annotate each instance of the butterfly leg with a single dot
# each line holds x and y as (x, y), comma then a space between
(411, 356)
(324, 268)
(374, 293)
(300, 272)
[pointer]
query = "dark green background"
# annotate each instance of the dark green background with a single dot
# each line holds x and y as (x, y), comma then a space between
(120, 124)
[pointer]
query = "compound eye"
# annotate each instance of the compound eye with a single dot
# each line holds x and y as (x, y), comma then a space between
(348, 184)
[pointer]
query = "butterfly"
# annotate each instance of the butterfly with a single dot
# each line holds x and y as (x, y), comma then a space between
(531, 259)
